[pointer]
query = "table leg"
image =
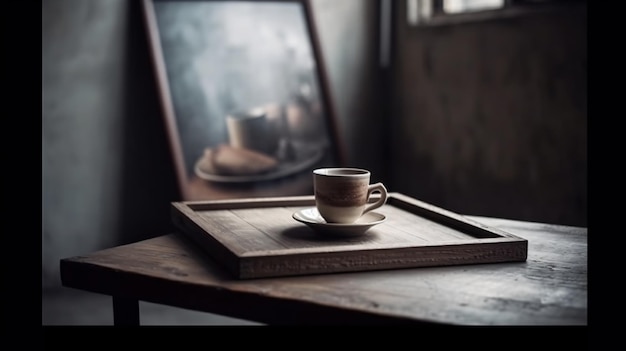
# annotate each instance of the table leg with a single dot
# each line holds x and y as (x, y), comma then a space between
(125, 311)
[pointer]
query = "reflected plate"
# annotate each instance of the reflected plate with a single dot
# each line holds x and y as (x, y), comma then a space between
(312, 218)
(307, 156)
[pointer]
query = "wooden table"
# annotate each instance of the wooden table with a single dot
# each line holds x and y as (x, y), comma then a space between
(550, 288)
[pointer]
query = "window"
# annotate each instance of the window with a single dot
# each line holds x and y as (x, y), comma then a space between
(459, 6)
(434, 12)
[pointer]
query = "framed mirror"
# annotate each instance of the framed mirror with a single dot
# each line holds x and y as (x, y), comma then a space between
(244, 96)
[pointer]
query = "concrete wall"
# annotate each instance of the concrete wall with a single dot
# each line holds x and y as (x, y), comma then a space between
(107, 174)
(490, 118)
(349, 33)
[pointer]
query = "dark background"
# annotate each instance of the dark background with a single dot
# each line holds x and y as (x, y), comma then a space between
(482, 118)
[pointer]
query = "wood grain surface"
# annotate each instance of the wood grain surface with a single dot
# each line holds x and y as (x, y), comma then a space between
(549, 288)
(259, 238)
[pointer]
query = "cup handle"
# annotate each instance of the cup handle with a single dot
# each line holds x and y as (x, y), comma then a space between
(383, 196)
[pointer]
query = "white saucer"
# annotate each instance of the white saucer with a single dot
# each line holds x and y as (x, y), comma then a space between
(312, 218)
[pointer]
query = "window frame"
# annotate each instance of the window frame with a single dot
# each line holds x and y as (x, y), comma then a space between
(510, 8)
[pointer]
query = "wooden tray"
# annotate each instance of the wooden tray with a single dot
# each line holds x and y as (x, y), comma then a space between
(255, 238)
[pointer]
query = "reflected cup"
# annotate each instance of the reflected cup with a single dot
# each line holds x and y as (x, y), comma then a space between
(251, 130)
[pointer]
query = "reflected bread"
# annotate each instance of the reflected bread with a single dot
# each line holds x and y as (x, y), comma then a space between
(227, 160)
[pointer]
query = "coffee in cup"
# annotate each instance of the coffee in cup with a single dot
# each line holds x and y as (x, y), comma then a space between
(342, 194)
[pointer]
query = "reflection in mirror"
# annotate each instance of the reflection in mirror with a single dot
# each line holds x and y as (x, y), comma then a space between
(244, 95)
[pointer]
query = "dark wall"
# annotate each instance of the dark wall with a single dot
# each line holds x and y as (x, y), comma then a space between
(107, 174)
(490, 117)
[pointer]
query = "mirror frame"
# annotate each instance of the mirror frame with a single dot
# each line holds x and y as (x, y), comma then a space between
(192, 189)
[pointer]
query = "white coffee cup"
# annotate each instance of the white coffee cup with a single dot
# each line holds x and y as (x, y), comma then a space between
(251, 130)
(342, 194)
